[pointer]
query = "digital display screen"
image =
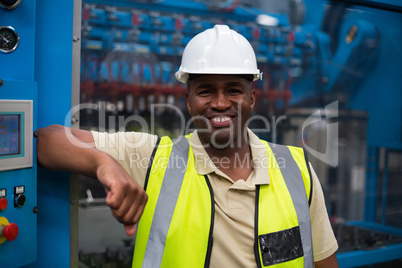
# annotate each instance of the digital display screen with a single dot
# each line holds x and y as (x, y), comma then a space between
(10, 134)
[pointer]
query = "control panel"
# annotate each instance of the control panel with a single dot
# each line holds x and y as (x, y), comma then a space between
(18, 175)
(18, 114)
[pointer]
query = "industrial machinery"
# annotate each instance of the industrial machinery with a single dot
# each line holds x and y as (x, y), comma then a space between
(332, 84)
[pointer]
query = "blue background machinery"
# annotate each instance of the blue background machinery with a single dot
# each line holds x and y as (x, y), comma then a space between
(346, 52)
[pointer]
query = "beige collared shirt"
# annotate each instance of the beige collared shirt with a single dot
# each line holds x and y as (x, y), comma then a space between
(234, 201)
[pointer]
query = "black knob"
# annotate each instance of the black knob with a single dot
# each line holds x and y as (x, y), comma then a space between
(19, 200)
(9, 4)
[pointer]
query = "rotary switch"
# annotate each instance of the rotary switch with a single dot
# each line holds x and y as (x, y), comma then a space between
(19, 197)
(19, 200)
(8, 231)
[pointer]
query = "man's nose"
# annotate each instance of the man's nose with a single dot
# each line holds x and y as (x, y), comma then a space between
(220, 102)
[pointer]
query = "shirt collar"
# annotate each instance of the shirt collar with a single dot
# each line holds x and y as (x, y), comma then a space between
(204, 164)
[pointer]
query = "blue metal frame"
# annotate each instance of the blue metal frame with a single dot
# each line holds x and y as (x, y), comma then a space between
(376, 255)
(53, 68)
(360, 258)
(388, 5)
(186, 7)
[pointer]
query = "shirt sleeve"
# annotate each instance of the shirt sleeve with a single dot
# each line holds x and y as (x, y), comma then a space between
(324, 241)
(132, 150)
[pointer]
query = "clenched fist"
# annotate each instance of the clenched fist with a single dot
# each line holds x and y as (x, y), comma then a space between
(125, 197)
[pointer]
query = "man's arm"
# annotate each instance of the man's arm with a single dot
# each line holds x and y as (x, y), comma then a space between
(324, 240)
(330, 262)
(64, 149)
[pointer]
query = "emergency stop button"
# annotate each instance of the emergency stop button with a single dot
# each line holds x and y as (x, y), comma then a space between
(3, 203)
(8, 231)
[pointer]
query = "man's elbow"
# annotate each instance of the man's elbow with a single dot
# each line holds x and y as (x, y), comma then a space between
(46, 142)
(45, 132)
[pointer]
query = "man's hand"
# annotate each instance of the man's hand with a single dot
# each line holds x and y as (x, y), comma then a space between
(125, 197)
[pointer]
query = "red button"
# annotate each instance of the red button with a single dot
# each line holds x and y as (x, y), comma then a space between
(3, 204)
(10, 232)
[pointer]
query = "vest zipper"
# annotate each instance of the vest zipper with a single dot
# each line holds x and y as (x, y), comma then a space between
(151, 160)
(211, 228)
(256, 250)
(310, 197)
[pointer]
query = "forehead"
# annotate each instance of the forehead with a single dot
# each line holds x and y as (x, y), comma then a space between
(218, 80)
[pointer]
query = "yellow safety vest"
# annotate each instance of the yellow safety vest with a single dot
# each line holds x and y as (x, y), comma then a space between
(176, 228)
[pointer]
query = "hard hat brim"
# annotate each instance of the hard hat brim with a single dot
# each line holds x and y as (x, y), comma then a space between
(183, 76)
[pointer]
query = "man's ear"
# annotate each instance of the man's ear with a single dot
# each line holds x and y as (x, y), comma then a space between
(252, 101)
(188, 103)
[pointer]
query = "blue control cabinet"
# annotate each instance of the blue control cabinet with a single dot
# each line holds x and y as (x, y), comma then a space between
(38, 71)
(18, 181)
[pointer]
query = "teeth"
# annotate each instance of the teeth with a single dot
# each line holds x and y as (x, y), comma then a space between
(220, 119)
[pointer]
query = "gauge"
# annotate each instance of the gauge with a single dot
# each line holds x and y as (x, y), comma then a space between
(9, 39)
(9, 4)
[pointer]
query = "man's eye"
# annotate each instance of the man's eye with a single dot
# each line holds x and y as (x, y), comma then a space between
(204, 92)
(235, 91)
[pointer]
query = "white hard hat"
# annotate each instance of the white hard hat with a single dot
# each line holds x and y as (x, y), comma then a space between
(219, 50)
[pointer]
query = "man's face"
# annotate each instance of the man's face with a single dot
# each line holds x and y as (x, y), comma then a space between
(220, 106)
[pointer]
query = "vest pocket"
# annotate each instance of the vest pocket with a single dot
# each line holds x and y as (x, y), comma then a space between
(281, 246)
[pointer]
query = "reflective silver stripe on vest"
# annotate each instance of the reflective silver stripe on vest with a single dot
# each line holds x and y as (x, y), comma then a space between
(166, 203)
(294, 181)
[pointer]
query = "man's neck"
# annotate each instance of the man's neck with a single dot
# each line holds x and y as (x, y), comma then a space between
(234, 161)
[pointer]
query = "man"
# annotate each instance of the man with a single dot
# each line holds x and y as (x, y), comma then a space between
(218, 197)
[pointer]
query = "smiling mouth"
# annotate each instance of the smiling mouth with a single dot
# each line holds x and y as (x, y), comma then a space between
(221, 121)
